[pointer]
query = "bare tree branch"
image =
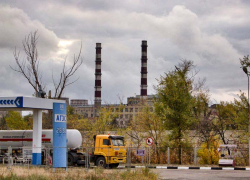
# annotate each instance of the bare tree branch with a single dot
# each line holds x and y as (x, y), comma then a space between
(29, 67)
(66, 74)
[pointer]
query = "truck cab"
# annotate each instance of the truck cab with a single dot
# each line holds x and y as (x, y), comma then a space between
(109, 150)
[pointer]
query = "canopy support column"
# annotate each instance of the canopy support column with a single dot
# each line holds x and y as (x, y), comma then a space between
(37, 137)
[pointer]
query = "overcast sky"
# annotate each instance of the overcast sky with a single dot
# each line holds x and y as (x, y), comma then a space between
(212, 33)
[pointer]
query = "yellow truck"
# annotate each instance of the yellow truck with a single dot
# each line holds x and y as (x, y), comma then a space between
(109, 151)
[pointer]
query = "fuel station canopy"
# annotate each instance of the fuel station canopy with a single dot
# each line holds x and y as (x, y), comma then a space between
(37, 105)
(21, 103)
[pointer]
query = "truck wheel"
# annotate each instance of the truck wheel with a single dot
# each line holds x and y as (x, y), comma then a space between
(101, 162)
(70, 160)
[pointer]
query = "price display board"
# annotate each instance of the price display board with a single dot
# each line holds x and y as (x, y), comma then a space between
(59, 135)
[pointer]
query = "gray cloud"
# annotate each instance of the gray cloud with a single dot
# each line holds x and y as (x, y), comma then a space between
(211, 33)
(16, 25)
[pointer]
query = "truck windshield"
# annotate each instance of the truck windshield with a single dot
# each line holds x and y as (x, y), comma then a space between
(117, 142)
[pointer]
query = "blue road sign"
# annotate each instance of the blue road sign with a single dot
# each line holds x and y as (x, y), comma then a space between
(140, 152)
(19, 102)
(12, 102)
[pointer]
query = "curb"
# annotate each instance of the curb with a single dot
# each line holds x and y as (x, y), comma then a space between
(192, 168)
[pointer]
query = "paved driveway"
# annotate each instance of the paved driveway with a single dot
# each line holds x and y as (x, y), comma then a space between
(202, 174)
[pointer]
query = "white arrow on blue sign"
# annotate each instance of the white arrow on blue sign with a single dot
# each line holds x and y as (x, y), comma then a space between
(18, 102)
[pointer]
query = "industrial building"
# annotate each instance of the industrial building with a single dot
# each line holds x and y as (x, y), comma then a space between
(134, 104)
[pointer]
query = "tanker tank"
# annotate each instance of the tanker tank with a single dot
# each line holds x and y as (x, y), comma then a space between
(21, 138)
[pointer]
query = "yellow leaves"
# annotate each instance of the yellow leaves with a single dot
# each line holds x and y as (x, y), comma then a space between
(92, 126)
(14, 121)
(70, 110)
(72, 122)
(208, 153)
(146, 124)
(150, 121)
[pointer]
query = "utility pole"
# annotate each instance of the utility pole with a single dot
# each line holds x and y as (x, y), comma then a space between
(244, 68)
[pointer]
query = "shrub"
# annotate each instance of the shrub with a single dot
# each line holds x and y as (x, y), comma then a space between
(209, 154)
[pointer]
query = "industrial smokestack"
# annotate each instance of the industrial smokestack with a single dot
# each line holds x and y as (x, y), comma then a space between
(144, 71)
(98, 81)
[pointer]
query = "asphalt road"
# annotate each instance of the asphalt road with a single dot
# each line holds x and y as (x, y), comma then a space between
(202, 174)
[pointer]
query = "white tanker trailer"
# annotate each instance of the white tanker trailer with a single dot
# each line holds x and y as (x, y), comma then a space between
(18, 139)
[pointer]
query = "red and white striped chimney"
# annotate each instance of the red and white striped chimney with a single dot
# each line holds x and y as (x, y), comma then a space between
(144, 71)
(98, 81)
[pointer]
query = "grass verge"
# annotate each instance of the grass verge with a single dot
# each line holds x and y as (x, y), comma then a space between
(39, 173)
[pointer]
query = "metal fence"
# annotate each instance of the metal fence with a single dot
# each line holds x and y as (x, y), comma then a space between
(193, 156)
(11, 156)
(138, 156)
(135, 156)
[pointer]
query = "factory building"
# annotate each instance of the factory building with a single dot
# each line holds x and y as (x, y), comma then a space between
(134, 104)
(127, 113)
(78, 102)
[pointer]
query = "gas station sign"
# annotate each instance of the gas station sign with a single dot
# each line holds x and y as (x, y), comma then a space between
(59, 135)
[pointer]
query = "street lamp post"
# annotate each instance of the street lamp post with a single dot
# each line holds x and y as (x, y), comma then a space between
(248, 74)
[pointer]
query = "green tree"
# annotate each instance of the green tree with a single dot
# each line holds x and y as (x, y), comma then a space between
(153, 126)
(94, 126)
(70, 110)
(47, 119)
(29, 119)
(205, 116)
(14, 120)
(225, 120)
(106, 120)
(241, 105)
(135, 131)
(3, 124)
(73, 121)
(175, 103)
(241, 118)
